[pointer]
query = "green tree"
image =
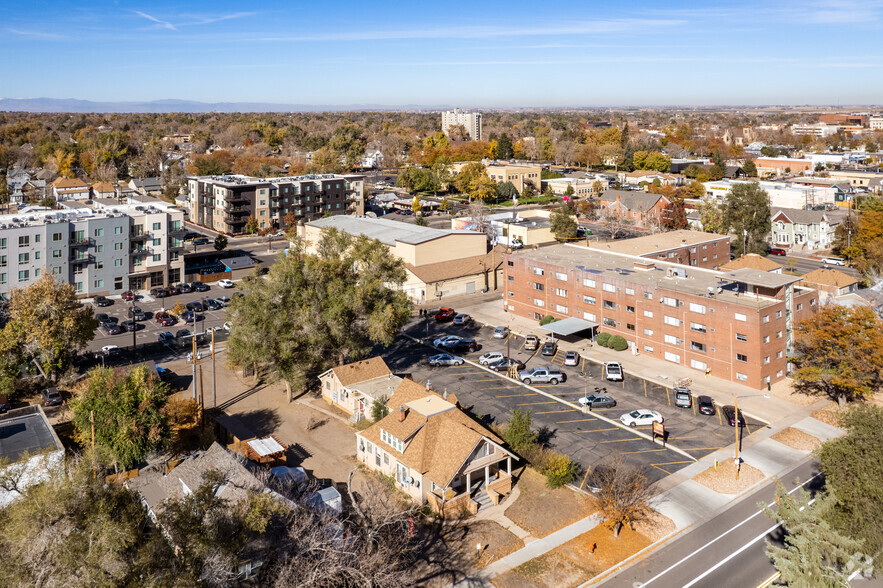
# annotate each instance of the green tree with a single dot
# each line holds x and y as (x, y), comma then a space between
(506, 190)
(379, 408)
(504, 147)
(559, 470)
(421, 221)
(693, 171)
(318, 310)
(711, 215)
(750, 169)
(350, 141)
(838, 354)
(569, 191)
(468, 176)
(769, 151)
(748, 210)
(47, 323)
(251, 225)
(564, 223)
(326, 160)
(127, 409)
(853, 468)
(220, 242)
(483, 188)
(518, 433)
(815, 554)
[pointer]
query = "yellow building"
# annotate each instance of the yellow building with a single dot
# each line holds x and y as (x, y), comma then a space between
(518, 174)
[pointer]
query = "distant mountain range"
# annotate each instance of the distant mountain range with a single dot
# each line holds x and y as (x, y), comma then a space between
(173, 105)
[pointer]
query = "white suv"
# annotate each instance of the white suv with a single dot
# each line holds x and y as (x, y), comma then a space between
(834, 261)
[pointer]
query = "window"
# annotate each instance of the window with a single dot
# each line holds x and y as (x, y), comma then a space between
(56, 236)
(98, 283)
(99, 249)
(741, 357)
(37, 273)
(117, 263)
(609, 322)
(648, 295)
(670, 301)
(648, 349)
(561, 309)
(670, 320)
(24, 258)
(800, 306)
(2, 278)
(608, 287)
(118, 230)
(99, 232)
(2, 261)
(812, 301)
(510, 263)
(629, 308)
(740, 317)
(538, 271)
(560, 292)
(24, 275)
(630, 291)
(3, 243)
(24, 241)
(157, 226)
(671, 339)
(510, 278)
(539, 287)
(700, 308)
(741, 337)
(699, 365)
(609, 305)
(648, 313)
(157, 242)
(698, 327)
(78, 269)
(778, 314)
(561, 276)
(36, 238)
(538, 302)
(385, 458)
(589, 316)
(766, 318)
(630, 326)
(157, 257)
(766, 360)
(766, 339)
(117, 246)
(648, 332)
(672, 357)
(741, 377)
(511, 293)
(778, 334)
(696, 346)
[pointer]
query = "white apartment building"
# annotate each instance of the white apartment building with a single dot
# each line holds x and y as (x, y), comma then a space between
(820, 130)
(471, 121)
(876, 123)
(782, 194)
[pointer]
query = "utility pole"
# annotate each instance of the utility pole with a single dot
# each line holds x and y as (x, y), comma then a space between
(193, 364)
(214, 397)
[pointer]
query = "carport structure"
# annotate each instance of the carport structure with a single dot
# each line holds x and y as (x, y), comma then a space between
(570, 326)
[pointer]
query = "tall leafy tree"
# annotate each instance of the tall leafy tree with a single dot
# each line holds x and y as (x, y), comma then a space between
(506, 190)
(504, 147)
(220, 242)
(750, 168)
(839, 351)
(349, 140)
(127, 413)
(564, 223)
(748, 210)
(711, 215)
(316, 310)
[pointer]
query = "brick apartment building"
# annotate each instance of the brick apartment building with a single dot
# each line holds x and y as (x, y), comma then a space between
(225, 203)
(695, 248)
(738, 325)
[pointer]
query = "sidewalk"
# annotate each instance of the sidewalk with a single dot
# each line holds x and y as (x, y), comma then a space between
(651, 369)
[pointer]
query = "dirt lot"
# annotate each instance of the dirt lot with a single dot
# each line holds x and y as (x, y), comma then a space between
(496, 542)
(723, 478)
(574, 562)
(796, 439)
(542, 511)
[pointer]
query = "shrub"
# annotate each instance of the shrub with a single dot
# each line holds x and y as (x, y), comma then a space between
(379, 409)
(618, 343)
(547, 319)
(559, 470)
(518, 434)
(602, 339)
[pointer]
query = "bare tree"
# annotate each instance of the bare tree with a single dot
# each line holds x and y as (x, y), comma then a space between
(478, 212)
(614, 221)
(624, 492)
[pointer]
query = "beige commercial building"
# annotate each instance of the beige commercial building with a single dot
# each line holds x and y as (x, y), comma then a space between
(519, 174)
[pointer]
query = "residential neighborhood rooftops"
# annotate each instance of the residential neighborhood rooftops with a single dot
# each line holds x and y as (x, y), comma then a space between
(387, 231)
(468, 266)
(751, 261)
(26, 431)
(764, 279)
(658, 243)
(804, 217)
(361, 371)
(829, 277)
(632, 199)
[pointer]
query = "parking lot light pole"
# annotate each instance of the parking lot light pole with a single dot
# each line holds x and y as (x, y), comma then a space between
(736, 425)
(134, 324)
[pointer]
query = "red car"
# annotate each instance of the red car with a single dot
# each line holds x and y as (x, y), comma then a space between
(778, 252)
(445, 314)
(128, 295)
(165, 319)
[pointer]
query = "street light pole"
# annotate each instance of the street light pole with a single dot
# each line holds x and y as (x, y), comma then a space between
(736, 426)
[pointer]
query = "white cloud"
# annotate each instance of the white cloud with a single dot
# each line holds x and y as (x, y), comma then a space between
(34, 34)
(162, 23)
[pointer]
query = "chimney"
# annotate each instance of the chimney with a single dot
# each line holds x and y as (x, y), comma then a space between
(617, 200)
(402, 413)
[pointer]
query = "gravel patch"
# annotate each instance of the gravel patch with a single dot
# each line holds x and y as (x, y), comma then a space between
(797, 439)
(723, 479)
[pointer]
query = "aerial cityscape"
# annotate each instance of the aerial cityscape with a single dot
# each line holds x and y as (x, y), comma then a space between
(508, 296)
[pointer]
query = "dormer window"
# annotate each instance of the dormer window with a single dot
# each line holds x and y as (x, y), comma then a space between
(392, 441)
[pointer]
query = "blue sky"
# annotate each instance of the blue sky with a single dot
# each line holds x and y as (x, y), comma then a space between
(474, 54)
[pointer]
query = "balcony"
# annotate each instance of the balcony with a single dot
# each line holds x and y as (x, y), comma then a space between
(179, 232)
(235, 220)
(140, 236)
(77, 259)
(237, 198)
(141, 251)
(82, 242)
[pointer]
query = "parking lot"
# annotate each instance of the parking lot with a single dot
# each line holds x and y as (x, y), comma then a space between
(587, 436)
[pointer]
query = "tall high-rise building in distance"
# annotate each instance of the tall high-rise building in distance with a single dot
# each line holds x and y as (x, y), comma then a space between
(471, 121)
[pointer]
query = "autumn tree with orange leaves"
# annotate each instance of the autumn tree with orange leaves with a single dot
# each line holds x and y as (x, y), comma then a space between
(839, 354)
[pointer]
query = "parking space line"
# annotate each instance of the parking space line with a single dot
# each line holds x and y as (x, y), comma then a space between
(500, 388)
(702, 448)
(671, 463)
(645, 451)
(693, 437)
(493, 380)
(534, 403)
(556, 411)
(575, 421)
(599, 430)
(514, 395)
(661, 469)
(621, 440)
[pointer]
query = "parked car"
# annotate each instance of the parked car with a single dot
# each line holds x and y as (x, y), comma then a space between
(4, 404)
(550, 348)
(501, 332)
(112, 328)
(159, 292)
(505, 363)
(110, 349)
(777, 251)
(172, 291)
(640, 417)
(730, 416)
(201, 241)
(190, 235)
(491, 357)
(181, 333)
(225, 283)
(597, 401)
(104, 318)
(184, 288)
(445, 314)
(128, 296)
(515, 244)
(462, 319)
(200, 287)
(51, 397)
(102, 301)
(131, 326)
(195, 306)
(165, 337)
(445, 359)
(613, 371)
(705, 405)
(448, 341)
(137, 313)
(223, 300)
(165, 319)
(531, 342)
(189, 316)
(571, 358)
(212, 304)
(465, 345)
(683, 398)
(834, 261)
(542, 375)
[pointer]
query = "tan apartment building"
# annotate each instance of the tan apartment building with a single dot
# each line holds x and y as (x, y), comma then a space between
(737, 325)
(519, 174)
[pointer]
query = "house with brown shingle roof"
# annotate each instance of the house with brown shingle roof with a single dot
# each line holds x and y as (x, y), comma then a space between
(103, 190)
(355, 387)
(70, 189)
(752, 261)
(436, 453)
(830, 283)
